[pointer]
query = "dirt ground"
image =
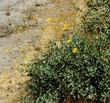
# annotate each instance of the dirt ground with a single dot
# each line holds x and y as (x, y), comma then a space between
(26, 26)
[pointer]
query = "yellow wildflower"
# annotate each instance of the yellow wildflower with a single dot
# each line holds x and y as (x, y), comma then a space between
(69, 40)
(65, 27)
(49, 20)
(74, 50)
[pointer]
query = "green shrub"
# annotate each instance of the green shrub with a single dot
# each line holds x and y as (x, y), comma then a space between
(77, 69)
(97, 18)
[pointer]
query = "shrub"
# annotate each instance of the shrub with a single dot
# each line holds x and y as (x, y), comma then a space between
(97, 18)
(77, 69)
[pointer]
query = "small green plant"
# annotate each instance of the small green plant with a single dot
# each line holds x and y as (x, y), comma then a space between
(77, 69)
(97, 18)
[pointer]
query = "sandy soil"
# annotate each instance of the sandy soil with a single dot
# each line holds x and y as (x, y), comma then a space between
(25, 27)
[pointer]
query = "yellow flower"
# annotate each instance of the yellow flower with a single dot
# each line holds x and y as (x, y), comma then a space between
(65, 27)
(49, 20)
(69, 40)
(74, 50)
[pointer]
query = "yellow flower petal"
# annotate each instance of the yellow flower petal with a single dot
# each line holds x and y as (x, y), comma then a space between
(69, 40)
(74, 50)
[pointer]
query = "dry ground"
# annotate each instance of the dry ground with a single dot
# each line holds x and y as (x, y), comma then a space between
(25, 27)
